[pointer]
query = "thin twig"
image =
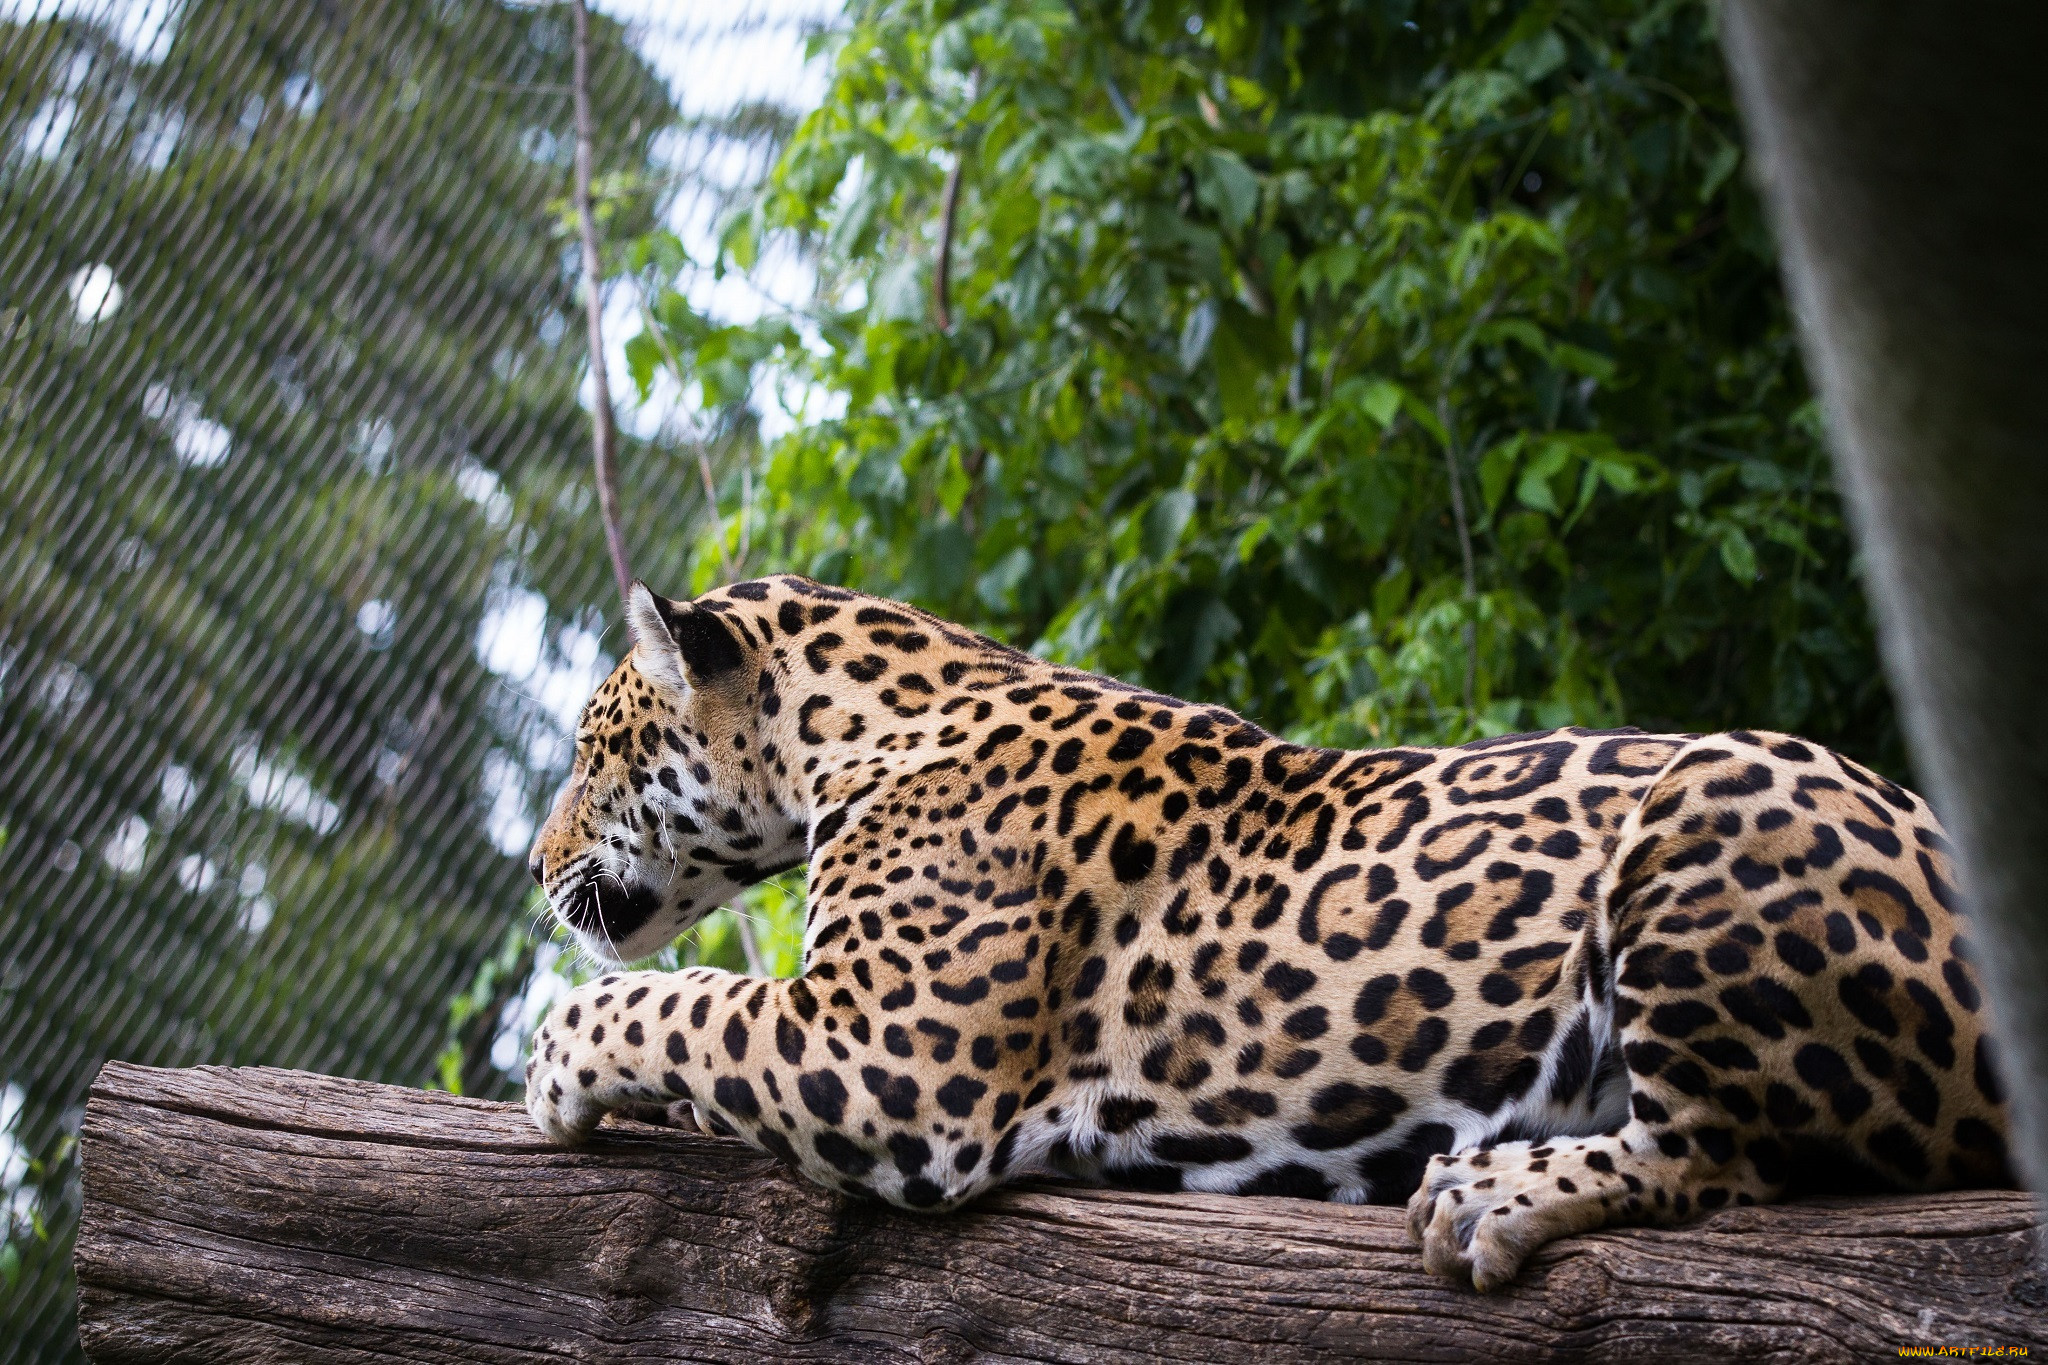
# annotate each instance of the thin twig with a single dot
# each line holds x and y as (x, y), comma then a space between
(1338, 351)
(750, 947)
(1443, 415)
(605, 434)
(746, 512)
(1297, 380)
(520, 87)
(942, 275)
(1453, 467)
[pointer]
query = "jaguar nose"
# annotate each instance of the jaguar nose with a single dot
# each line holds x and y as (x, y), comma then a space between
(537, 868)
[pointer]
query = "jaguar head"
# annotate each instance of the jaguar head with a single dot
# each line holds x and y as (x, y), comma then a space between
(668, 811)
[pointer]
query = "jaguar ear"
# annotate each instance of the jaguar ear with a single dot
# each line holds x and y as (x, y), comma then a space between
(678, 643)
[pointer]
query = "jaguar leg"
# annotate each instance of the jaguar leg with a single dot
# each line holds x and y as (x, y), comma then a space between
(803, 1078)
(1480, 1213)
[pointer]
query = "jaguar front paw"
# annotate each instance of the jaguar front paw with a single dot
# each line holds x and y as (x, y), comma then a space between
(586, 1063)
(563, 1106)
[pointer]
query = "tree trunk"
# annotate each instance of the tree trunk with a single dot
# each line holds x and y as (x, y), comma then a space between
(263, 1215)
(1903, 150)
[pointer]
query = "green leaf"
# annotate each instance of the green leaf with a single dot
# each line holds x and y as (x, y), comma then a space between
(1579, 360)
(1496, 467)
(662, 250)
(1390, 594)
(1589, 484)
(1380, 400)
(1229, 188)
(1165, 520)
(1761, 476)
(1534, 58)
(998, 587)
(940, 559)
(954, 483)
(900, 293)
(879, 479)
(1719, 167)
(1534, 488)
(1332, 268)
(1427, 420)
(1198, 633)
(1521, 330)
(643, 359)
(1237, 372)
(1471, 96)
(1620, 475)
(1196, 334)
(1738, 556)
(1304, 444)
(1791, 693)
(1374, 500)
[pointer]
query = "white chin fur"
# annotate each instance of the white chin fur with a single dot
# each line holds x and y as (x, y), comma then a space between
(619, 952)
(650, 939)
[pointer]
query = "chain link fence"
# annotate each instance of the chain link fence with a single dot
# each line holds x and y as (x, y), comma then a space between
(300, 575)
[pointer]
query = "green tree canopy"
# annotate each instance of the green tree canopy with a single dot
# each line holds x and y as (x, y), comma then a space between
(1392, 370)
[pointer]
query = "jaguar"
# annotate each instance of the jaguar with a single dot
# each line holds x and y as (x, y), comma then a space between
(1527, 987)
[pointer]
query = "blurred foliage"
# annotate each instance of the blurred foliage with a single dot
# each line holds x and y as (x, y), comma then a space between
(1391, 370)
(290, 447)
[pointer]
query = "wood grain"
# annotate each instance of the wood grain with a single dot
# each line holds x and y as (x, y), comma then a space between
(263, 1215)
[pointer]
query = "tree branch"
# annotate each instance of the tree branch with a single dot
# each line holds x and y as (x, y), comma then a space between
(605, 436)
(274, 1216)
(750, 943)
(1457, 477)
(942, 274)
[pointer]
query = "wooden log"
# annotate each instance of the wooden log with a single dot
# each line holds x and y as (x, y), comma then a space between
(263, 1215)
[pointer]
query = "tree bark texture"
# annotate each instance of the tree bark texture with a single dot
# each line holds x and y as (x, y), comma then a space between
(1903, 151)
(263, 1215)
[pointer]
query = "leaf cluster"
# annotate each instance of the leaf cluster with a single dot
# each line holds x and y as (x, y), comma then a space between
(1392, 370)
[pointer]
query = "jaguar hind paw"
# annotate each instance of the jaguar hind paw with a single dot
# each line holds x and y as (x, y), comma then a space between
(1480, 1213)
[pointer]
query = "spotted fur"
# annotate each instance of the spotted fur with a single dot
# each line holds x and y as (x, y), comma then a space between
(1530, 986)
